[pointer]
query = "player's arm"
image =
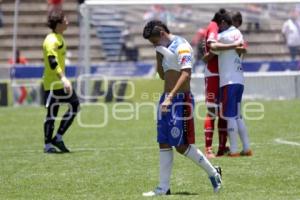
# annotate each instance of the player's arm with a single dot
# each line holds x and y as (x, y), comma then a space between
(284, 38)
(209, 55)
(237, 45)
(218, 46)
(54, 65)
(66, 82)
(284, 31)
(185, 60)
(241, 50)
(159, 67)
(184, 76)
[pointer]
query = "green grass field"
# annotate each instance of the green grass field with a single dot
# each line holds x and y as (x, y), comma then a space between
(120, 161)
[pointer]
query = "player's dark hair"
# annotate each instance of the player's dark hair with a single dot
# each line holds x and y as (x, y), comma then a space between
(218, 15)
(153, 28)
(55, 16)
(237, 17)
(225, 17)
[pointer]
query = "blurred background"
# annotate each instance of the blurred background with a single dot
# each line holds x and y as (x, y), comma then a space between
(106, 41)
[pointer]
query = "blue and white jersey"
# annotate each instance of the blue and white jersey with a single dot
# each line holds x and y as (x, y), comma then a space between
(230, 63)
(178, 55)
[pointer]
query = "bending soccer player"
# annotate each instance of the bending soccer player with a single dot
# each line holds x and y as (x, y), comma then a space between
(231, 83)
(58, 88)
(175, 125)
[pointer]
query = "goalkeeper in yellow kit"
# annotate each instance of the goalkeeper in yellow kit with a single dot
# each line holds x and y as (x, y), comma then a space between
(58, 88)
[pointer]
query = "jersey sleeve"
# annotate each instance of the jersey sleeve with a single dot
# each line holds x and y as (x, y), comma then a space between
(52, 50)
(185, 56)
(240, 37)
(212, 32)
(163, 51)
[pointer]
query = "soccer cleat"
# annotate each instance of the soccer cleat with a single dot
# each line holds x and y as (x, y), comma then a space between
(61, 146)
(246, 153)
(233, 155)
(157, 192)
(50, 150)
(219, 170)
(227, 150)
(216, 180)
(209, 153)
(220, 153)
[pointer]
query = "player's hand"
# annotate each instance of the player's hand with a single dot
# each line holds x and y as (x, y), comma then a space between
(213, 46)
(67, 85)
(207, 57)
(165, 105)
(238, 43)
(240, 50)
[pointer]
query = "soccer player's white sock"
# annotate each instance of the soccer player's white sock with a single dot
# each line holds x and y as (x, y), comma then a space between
(58, 137)
(232, 133)
(165, 167)
(243, 134)
(197, 156)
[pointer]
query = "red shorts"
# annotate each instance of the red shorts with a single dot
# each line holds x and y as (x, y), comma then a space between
(212, 91)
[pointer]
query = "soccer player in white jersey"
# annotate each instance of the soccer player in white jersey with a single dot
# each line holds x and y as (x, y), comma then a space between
(175, 124)
(231, 84)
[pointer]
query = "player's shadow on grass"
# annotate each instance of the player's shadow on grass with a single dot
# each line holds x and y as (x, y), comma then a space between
(185, 193)
(55, 153)
(72, 152)
(82, 150)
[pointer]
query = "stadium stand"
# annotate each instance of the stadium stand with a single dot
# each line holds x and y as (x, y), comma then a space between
(107, 25)
(32, 30)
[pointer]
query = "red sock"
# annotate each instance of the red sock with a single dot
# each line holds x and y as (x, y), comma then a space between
(208, 130)
(222, 126)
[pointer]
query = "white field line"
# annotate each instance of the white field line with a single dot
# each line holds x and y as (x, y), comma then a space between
(102, 149)
(82, 149)
(281, 141)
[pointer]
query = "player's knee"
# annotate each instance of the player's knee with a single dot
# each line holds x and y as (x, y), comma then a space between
(232, 126)
(181, 149)
(164, 146)
(212, 111)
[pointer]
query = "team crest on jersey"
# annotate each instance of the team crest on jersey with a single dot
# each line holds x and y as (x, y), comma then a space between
(186, 59)
(175, 132)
